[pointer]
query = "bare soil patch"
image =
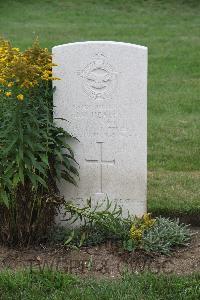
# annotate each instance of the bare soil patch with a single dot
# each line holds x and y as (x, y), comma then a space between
(104, 260)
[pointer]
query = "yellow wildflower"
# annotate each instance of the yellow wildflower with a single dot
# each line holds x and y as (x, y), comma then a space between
(136, 233)
(25, 69)
(20, 97)
(16, 49)
(54, 78)
(10, 84)
(148, 221)
(140, 225)
(8, 94)
(2, 81)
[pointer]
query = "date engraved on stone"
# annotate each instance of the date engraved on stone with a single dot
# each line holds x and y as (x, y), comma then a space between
(98, 78)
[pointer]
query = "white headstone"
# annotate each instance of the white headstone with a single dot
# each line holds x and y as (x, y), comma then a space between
(103, 96)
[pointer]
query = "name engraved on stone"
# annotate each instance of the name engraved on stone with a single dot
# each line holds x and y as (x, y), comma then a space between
(98, 78)
(102, 163)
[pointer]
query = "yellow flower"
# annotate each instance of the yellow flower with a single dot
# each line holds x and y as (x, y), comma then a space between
(24, 69)
(10, 84)
(147, 219)
(8, 94)
(20, 97)
(2, 81)
(140, 225)
(0, 91)
(16, 49)
(136, 233)
(54, 78)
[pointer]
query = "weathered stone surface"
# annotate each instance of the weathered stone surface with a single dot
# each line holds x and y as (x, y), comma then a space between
(103, 95)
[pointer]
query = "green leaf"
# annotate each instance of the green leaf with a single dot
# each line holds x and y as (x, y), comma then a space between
(82, 240)
(68, 178)
(21, 151)
(5, 198)
(21, 174)
(45, 159)
(11, 145)
(33, 179)
(16, 180)
(70, 238)
(41, 181)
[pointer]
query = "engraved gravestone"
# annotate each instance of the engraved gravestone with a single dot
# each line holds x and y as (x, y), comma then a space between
(103, 96)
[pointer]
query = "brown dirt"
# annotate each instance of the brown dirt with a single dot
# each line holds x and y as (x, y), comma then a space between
(105, 260)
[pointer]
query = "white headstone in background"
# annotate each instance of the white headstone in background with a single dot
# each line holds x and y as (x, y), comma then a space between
(103, 95)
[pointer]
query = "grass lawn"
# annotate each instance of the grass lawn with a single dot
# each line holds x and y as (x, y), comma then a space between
(170, 29)
(61, 286)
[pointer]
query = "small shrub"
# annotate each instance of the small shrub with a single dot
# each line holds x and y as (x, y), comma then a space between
(34, 152)
(159, 235)
(165, 235)
(98, 224)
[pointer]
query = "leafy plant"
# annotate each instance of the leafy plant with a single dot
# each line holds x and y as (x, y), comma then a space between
(165, 235)
(34, 152)
(98, 225)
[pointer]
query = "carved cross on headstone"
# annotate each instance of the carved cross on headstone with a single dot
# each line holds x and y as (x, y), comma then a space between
(101, 162)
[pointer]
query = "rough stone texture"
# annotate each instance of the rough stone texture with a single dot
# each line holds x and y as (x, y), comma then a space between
(103, 95)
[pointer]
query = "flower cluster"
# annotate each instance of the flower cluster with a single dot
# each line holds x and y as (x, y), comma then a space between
(140, 225)
(22, 71)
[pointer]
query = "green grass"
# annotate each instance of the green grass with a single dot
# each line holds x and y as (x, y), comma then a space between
(175, 194)
(59, 286)
(170, 29)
